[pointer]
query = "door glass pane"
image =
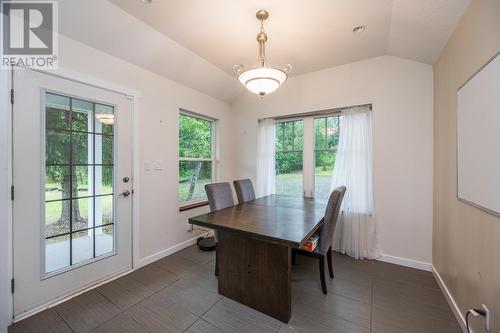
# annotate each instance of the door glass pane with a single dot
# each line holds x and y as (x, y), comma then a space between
(56, 222)
(193, 176)
(104, 240)
(57, 253)
(81, 182)
(104, 205)
(104, 148)
(57, 147)
(57, 115)
(76, 180)
(82, 245)
(104, 180)
(82, 213)
(55, 179)
(105, 119)
(326, 141)
(289, 158)
(82, 116)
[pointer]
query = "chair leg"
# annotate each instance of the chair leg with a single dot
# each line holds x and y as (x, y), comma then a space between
(216, 264)
(329, 260)
(322, 273)
(294, 255)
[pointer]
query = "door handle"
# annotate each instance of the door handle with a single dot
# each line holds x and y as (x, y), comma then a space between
(125, 193)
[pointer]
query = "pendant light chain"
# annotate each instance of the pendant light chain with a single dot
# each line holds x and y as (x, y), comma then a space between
(262, 79)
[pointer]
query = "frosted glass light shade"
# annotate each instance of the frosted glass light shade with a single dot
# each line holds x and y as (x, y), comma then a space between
(262, 80)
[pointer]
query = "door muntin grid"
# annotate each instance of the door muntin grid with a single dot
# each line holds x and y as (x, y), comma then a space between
(79, 214)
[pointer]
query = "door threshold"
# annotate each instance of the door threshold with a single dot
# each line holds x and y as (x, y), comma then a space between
(72, 294)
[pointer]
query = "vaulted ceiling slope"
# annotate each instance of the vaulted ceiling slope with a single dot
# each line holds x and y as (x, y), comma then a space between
(101, 25)
(196, 42)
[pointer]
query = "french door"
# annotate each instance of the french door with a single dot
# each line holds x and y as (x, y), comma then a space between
(72, 163)
(306, 149)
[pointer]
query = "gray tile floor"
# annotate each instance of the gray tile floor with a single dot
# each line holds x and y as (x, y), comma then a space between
(179, 293)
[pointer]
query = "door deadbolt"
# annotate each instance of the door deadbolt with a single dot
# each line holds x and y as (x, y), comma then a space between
(126, 179)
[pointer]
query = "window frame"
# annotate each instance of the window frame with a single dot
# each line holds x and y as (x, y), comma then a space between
(294, 148)
(186, 205)
(293, 121)
(337, 115)
(308, 147)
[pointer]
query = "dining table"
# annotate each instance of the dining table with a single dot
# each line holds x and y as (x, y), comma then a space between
(254, 248)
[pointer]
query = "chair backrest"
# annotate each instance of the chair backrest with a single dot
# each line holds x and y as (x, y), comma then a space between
(244, 190)
(330, 220)
(219, 196)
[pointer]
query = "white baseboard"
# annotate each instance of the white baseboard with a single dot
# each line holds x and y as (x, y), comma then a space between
(70, 295)
(451, 300)
(406, 262)
(107, 279)
(168, 251)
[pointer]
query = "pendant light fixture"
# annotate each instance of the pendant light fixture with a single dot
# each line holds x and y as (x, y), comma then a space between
(262, 79)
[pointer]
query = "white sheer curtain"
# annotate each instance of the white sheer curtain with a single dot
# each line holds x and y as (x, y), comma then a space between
(355, 234)
(265, 158)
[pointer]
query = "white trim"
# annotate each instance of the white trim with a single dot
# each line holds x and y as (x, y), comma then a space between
(406, 262)
(136, 171)
(168, 251)
(196, 159)
(6, 169)
(196, 114)
(69, 74)
(71, 295)
(451, 300)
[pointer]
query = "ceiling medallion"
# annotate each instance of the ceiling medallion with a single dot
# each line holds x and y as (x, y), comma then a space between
(262, 79)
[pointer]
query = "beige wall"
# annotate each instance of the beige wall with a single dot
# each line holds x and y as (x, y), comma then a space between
(401, 93)
(466, 242)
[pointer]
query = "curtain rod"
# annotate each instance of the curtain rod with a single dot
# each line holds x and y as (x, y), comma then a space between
(317, 113)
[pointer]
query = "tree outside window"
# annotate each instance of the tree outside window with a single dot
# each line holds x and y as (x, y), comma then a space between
(196, 162)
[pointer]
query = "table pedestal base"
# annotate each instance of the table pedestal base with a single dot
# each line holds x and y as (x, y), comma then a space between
(255, 273)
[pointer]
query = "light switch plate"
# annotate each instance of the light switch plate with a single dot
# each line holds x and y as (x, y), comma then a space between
(147, 165)
(158, 164)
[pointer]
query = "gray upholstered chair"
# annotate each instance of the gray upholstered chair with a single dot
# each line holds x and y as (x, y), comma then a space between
(244, 190)
(324, 247)
(219, 196)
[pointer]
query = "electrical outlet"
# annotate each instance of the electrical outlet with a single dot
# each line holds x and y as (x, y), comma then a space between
(487, 318)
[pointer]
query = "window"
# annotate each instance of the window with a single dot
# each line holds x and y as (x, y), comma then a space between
(305, 155)
(79, 209)
(196, 157)
(326, 139)
(289, 157)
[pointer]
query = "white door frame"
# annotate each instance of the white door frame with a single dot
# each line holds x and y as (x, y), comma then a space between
(67, 74)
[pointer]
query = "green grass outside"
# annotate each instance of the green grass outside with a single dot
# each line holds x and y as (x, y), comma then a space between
(53, 209)
(292, 183)
(199, 189)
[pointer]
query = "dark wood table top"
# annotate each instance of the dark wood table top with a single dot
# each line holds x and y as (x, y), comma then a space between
(286, 220)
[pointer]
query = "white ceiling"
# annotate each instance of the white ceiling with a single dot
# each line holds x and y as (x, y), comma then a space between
(311, 35)
(196, 42)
